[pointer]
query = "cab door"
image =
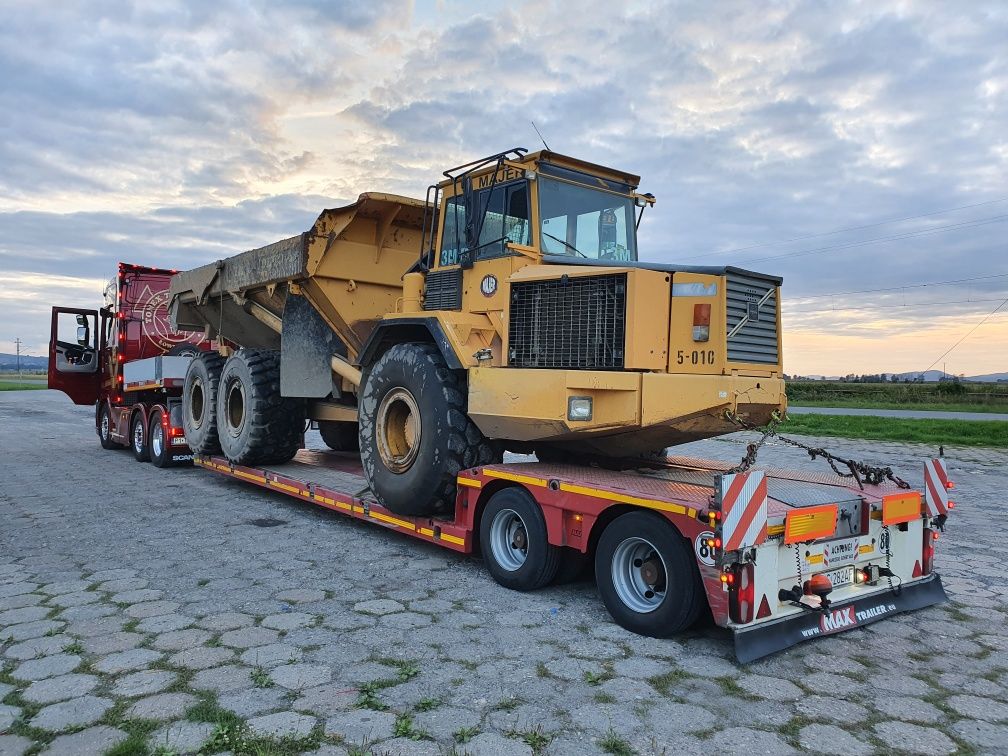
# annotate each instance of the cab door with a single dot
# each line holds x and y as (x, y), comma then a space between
(73, 354)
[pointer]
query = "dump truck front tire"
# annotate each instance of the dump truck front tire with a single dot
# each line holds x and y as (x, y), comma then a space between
(415, 435)
(340, 436)
(256, 425)
(199, 403)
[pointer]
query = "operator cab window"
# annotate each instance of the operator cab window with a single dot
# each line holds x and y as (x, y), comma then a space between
(505, 215)
(579, 221)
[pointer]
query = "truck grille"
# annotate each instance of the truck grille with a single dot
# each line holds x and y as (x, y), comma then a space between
(573, 323)
(756, 340)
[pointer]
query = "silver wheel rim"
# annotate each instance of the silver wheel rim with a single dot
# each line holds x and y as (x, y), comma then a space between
(138, 437)
(509, 540)
(104, 426)
(639, 575)
(157, 440)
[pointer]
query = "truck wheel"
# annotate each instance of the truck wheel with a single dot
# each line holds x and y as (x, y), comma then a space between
(340, 436)
(514, 541)
(105, 428)
(199, 403)
(256, 425)
(158, 446)
(138, 438)
(415, 435)
(647, 578)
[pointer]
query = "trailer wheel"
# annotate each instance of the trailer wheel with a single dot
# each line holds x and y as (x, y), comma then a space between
(514, 541)
(415, 434)
(105, 427)
(647, 578)
(138, 439)
(340, 436)
(256, 425)
(158, 446)
(199, 402)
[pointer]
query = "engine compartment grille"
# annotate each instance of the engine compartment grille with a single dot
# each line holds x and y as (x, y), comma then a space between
(443, 290)
(572, 322)
(752, 302)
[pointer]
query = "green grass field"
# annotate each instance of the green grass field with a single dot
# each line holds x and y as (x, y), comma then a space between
(934, 432)
(951, 397)
(6, 385)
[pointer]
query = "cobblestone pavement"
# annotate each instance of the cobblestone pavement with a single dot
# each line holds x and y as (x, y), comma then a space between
(168, 611)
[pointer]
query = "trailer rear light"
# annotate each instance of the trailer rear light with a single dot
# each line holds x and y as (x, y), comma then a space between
(180, 431)
(741, 593)
(898, 508)
(810, 523)
(701, 322)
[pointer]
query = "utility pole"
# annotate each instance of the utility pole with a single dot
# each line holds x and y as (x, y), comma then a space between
(17, 343)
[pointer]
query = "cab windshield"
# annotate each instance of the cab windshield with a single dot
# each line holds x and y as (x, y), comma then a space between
(583, 222)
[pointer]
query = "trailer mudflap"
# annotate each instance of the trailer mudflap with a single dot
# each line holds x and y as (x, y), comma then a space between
(766, 638)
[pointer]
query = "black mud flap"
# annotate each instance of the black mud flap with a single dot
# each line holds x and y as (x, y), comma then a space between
(763, 639)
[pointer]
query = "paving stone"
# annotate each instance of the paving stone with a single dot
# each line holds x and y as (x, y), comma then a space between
(93, 740)
(165, 623)
(36, 647)
(17, 602)
(122, 584)
(201, 658)
(252, 701)
(27, 630)
(742, 741)
(5, 689)
(361, 725)
(283, 724)
(14, 745)
(47, 666)
(75, 599)
(896, 684)
(225, 621)
(326, 700)
(835, 709)
(161, 706)
(410, 747)
(112, 643)
(288, 620)
(181, 737)
(981, 734)
(301, 595)
(69, 586)
(143, 683)
(976, 707)
(572, 668)
(908, 709)
(668, 719)
(124, 661)
(60, 688)
(152, 609)
(271, 655)
(89, 628)
(222, 679)
(300, 676)
(137, 597)
(8, 715)
(378, 606)
(445, 720)
(830, 739)
(770, 688)
(247, 637)
(76, 712)
(902, 736)
(23, 614)
(16, 589)
(88, 612)
(492, 744)
(117, 573)
(179, 640)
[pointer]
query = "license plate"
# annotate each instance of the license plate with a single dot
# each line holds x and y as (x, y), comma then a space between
(843, 576)
(178, 441)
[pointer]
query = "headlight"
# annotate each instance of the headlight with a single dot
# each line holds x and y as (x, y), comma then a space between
(579, 408)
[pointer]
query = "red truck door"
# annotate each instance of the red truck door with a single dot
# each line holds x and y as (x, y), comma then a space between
(73, 354)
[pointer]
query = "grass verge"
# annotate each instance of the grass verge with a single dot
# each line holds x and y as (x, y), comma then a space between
(932, 406)
(934, 432)
(15, 386)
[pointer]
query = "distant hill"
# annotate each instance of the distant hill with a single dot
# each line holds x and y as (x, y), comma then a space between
(9, 362)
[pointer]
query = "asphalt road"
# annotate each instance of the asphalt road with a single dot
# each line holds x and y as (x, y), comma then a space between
(909, 414)
(194, 612)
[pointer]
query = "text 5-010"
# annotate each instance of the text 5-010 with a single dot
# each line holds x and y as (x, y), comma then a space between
(696, 357)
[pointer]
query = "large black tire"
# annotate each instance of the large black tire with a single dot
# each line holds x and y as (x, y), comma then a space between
(256, 425)
(340, 436)
(105, 427)
(158, 444)
(415, 434)
(514, 541)
(199, 403)
(138, 438)
(641, 553)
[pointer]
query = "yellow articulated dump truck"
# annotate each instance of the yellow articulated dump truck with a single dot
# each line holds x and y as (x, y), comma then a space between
(509, 310)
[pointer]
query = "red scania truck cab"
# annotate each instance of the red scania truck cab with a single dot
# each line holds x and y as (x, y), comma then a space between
(127, 361)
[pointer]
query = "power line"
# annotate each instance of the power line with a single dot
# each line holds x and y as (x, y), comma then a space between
(985, 319)
(904, 286)
(897, 237)
(848, 228)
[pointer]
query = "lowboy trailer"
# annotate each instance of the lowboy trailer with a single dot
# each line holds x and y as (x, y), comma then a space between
(778, 556)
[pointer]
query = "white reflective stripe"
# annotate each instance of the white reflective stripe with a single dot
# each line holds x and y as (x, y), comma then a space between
(743, 505)
(694, 290)
(935, 476)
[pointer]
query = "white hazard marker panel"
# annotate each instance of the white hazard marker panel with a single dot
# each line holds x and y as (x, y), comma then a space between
(936, 481)
(743, 499)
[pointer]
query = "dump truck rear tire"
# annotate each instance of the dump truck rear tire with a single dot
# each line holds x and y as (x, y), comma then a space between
(256, 425)
(199, 403)
(415, 434)
(340, 436)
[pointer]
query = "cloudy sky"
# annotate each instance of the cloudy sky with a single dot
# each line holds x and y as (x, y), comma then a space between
(859, 150)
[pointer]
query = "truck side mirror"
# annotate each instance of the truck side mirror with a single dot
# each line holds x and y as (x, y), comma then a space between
(81, 320)
(83, 334)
